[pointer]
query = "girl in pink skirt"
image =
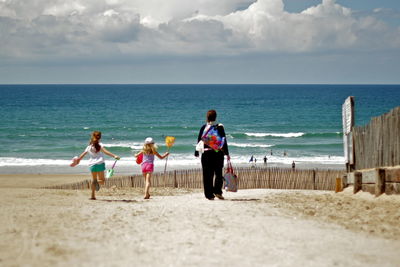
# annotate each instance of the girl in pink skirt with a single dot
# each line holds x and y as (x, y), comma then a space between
(149, 150)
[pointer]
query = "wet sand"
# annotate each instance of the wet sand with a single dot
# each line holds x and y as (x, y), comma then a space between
(39, 180)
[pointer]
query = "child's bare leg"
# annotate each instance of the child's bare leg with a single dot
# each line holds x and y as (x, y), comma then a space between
(144, 176)
(93, 186)
(147, 186)
(101, 179)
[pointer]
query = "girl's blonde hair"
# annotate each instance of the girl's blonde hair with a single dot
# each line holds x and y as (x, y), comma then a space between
(149, 149)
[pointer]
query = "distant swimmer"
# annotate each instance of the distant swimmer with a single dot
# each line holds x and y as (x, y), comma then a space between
(251, 158)
(265, 159)
(284, 153)
(271, 152)
(293, 165)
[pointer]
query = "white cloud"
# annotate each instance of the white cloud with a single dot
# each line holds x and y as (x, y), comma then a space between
(328, 8)
(327, 26)
(64, 9)
(38, 29)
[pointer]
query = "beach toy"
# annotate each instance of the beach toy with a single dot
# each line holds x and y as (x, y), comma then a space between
(110, 172)
(75, 161)
(169, 142)
(139, 158)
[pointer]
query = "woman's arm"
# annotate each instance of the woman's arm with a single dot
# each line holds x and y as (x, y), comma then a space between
(196, 153)
(221, 131)
(105, 151)
(201, 133)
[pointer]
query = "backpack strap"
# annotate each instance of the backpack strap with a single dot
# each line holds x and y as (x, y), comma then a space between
(204, 134)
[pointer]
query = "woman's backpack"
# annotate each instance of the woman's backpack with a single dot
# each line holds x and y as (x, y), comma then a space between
(213, 139)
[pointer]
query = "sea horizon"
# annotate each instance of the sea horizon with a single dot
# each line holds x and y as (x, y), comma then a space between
(165, 83)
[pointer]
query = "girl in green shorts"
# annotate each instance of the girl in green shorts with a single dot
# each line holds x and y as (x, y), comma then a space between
(95, 149)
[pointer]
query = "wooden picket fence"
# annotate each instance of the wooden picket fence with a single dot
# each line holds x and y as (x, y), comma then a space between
(377, 144)
(248, 178)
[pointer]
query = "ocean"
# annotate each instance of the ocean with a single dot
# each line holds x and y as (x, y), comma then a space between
(44, 126)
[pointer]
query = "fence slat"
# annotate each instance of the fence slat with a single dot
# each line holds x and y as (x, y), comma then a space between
(274, 178)
(377, 144)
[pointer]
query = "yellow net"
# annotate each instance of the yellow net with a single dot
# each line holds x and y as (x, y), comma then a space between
(169, 141)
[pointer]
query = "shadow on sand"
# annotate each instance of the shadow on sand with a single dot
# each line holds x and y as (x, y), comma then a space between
(119, 200)
(244, 199)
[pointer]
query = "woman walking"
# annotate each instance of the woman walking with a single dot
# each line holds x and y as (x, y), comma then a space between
(212, 160)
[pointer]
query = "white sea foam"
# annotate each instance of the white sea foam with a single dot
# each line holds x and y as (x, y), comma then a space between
(134, 146)
(286, 135)
(274, 160)
(127, 165)
(181, 160)
(10, 161)
(249, 145)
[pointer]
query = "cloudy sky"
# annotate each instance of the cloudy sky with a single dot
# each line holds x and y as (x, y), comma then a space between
(200, 41)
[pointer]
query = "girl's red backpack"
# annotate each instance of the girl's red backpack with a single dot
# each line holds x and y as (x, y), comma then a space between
(139, 158)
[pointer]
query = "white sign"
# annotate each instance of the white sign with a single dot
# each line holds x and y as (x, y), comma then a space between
(348, 148)
(347, 117)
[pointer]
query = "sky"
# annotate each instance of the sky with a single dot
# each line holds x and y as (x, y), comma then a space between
(200, 41)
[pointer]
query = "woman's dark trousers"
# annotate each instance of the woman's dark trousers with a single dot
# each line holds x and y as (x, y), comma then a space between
(212, 163)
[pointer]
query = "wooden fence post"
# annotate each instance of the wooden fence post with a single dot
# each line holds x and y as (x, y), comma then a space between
(357, 182)
(175, 181)
(338, 187)
(314, 186)
(380, 183)
(344, 181)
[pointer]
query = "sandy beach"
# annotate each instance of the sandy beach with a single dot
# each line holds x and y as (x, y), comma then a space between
(179, 227)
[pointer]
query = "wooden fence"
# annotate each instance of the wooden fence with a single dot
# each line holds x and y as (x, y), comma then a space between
(377, 144)
(249, 178)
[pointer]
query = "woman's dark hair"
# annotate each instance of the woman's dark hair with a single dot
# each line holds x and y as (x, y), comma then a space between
(94, 140)
(211, 115)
